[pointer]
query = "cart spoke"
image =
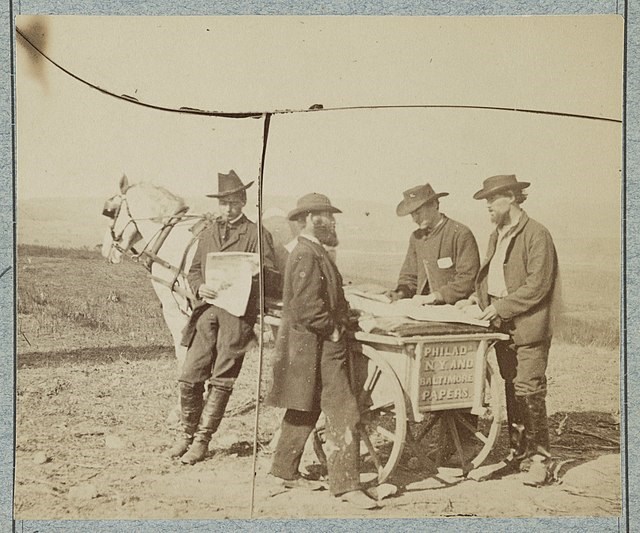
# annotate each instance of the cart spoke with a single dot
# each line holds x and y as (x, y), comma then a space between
(381, 407)
(432, 422)
(372, 380)
(372, 451)
(385, 433)
(456, 438)
(478, 434)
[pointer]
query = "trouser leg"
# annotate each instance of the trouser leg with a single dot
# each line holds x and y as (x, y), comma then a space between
(341, 410)
(202, 351)
(294, 431)
(215, 354)
(530, 386)
(526, 405)
(508, 365)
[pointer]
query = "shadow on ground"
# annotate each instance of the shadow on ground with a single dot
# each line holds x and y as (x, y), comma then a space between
(104, 355)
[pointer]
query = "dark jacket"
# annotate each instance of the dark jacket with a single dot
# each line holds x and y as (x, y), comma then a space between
(531, 273)
(313, 306)
(243, 237)
(445, 260)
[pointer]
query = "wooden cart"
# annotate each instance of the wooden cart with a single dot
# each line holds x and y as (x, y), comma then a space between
(414, 386)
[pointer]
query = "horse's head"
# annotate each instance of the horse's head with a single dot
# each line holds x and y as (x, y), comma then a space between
(134, 216)
(123, 231)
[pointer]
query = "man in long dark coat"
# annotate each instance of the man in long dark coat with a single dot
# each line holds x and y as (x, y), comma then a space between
(216, 339)
(310, 373)
(516, 288)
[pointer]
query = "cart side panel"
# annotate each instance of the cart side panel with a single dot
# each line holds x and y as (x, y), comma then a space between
(446, 374)
(396, 357)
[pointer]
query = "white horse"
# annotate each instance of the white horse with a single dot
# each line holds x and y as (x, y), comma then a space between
(153, 223)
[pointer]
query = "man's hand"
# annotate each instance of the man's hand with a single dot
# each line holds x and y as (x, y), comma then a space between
(431, 299)
(489, 314)
(211, 291)
(394, 296)
(205, 291)
(472, 300)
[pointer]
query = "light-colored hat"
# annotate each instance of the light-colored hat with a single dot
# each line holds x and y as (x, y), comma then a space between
(312, 203)
(500, 183)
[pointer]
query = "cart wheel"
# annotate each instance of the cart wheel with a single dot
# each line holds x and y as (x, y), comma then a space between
(383, 417)
(461, 444)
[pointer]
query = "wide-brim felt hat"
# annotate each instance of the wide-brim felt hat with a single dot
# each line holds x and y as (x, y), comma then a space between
(501, 183)
(312, 203)
(229, 184)
(415, 197)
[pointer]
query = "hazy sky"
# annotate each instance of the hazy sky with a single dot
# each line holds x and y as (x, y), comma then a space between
(74, 141)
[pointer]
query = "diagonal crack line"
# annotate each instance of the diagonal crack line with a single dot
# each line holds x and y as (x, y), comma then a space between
(5, 271)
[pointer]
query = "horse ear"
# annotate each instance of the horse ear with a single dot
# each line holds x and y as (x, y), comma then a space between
(124, 184)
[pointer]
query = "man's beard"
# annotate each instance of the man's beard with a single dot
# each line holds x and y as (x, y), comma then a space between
(500, 219)
(325, 234)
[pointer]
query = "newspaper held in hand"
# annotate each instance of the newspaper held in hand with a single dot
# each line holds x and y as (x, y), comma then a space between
(230, 273)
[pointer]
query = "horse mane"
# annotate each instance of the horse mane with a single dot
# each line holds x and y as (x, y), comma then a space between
(160, 202)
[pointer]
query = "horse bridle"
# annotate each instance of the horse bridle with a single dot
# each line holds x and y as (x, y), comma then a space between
(111, 209)
(146, 256)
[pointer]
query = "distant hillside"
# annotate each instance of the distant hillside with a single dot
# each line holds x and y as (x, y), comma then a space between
(61, 222)
(366, 229)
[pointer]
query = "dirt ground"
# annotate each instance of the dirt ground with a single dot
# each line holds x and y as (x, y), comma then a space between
(92, 429)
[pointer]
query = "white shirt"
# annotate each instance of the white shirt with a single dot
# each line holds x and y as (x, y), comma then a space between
(496, 285)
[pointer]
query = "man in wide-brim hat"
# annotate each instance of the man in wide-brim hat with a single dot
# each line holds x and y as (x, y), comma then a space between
(440, 266)
(216, 339)
(442, 259)
(310, 370)
(516, 288)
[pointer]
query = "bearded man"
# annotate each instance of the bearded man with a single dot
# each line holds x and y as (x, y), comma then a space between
(217, 340)
(516, 288)
(310, 373)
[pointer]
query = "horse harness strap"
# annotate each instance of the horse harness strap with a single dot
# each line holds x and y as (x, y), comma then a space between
(185, 293)
(151, 256)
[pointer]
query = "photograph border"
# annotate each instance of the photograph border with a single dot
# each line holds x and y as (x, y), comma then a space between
(630, 310)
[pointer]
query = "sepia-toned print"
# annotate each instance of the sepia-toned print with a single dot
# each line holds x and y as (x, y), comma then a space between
(318, 267)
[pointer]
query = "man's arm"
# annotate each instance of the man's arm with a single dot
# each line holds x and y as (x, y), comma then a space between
(466, 267)
(408, 278)
(272, 278)
(308, 303)
(194, 277)
(541, 269)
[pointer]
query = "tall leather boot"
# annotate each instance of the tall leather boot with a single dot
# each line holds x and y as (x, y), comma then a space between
(517, 437)
(212, 414)
(537, 438)
(191, 403)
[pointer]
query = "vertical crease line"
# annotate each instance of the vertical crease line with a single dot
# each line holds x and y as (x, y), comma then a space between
(265, 136)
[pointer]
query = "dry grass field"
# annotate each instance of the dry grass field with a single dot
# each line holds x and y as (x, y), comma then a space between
(96, 380)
